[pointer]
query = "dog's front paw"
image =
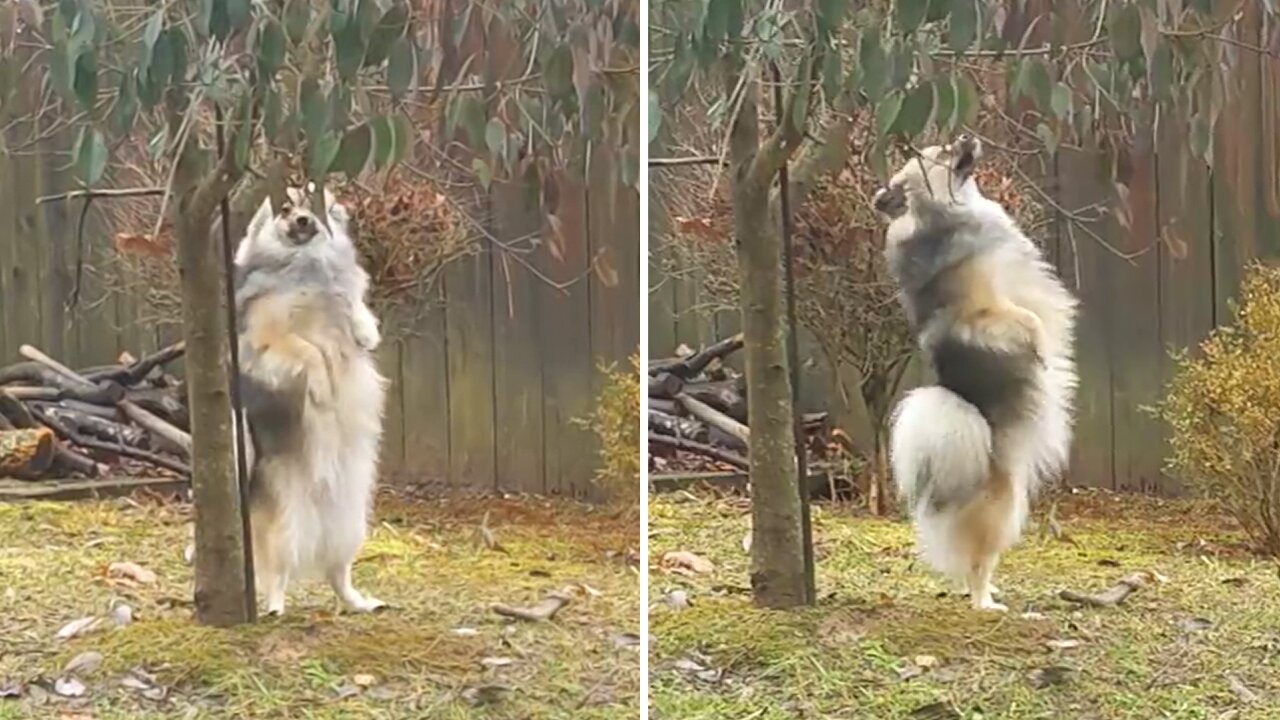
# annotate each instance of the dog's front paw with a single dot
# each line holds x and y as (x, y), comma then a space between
(320, 390)
(367, 336)
(992, 606)
(367, 605)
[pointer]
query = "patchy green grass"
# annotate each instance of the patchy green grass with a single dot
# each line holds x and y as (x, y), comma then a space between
(440, 653)
(882, 643)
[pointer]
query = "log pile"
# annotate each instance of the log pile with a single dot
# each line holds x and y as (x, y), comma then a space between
(129, 418)
(698, 411)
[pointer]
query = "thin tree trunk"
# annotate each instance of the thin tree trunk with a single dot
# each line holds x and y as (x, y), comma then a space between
(878, 488)
(777, 550)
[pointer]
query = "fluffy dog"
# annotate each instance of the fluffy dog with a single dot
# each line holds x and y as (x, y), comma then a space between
(312, 396)
(996, 324)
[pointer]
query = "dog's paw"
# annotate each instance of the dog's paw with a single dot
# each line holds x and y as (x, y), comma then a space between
(367, 336)
(320, 390)
(992, 606)
(367, 605)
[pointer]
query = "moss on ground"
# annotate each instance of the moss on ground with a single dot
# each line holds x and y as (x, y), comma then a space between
(438, 654)
(886, 642)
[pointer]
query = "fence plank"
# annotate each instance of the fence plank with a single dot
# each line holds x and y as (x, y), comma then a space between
(517, 328)
(469, 328)
(424, 398)
(614, 242)
(391, 452)
(566, 347)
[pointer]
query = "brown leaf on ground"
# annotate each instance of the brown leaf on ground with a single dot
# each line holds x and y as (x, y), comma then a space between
(129, 571)
(685, 562)
(541, 612)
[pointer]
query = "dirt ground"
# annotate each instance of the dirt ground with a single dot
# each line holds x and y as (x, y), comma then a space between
(441, 652)
(1201, 640)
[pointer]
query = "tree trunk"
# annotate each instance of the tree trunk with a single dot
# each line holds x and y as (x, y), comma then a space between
(878, 488)
(777, 550)
(220, 594)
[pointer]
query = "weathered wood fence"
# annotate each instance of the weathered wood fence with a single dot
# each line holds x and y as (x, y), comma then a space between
(1191, 233)
(486, 390)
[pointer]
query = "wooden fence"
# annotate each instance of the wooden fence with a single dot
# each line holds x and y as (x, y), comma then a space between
(485, 393)
(1191, 233)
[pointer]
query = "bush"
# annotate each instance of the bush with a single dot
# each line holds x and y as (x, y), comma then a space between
(616, 422)
(1223, 410)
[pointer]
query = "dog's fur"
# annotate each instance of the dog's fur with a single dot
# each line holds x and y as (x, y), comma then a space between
(312, 396)
(996, 324)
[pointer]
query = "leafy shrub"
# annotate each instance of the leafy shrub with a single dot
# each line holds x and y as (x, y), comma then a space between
(1223, 410)
(616, 422)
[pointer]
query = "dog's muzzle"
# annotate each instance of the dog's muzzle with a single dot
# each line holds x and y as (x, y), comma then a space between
(965, 152)
(301, 229)
(890, 201)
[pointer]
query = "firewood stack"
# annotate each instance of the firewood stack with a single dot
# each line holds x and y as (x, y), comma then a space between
(129, 418)
(698, 411)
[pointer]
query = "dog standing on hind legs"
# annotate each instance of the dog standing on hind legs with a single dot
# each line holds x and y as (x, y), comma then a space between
(313, 399)
(996, 324)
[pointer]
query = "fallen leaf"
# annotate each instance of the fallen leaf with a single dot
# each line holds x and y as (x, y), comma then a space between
(1241, 691)
(10, 690)
(485, 694)
(1032, 615)
(346, 690)
(678, 560)
(464, 632)
(935, 711)
(493, 663)
(746, 542)
(926, 661)
(1063, 644)
(121, 615)
(68, 687)
(677, 600)
(83, 664)
(189, 553)
(486, 538)
(1041, 678)
(909, 672)
(541, 612)
(1197, 624)
(1236, 581)
(626, 640)
(364, 680)
(78, 627)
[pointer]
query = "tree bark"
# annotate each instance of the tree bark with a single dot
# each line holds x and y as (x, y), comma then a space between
(220, 571)
(777, 550)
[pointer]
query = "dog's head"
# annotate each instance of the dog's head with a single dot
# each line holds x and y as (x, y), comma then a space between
(293, 228)
(941, 173)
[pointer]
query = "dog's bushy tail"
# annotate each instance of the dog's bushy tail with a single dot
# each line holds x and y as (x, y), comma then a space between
(939, 449)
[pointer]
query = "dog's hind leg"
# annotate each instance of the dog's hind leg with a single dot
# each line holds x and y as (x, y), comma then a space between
(270, 573)
(980, 587)
(340, 578)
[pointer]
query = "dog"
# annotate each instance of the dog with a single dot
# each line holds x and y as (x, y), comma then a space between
(312, 397)
(997, 327)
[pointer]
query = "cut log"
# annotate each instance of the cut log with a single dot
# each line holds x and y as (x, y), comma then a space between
(702, 449)
(665, 424)
(69, 461)
(165, 403)
(715, 418)
(95, 426)
(665, 386)
(106, 412)
(689, 368)
(85, 441)
(727, 396)
(27, 452)
(668, 407)
(13, 410)
(44, 378)
(134, 372)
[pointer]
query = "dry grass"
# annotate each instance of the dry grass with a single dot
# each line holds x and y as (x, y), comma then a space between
(423, 558)
(883, 644)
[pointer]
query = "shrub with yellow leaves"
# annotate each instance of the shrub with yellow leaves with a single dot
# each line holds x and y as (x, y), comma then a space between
(1221, 409)
(616, 422)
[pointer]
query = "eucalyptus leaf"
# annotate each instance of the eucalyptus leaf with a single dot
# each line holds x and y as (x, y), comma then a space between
(1039, 84)
(967, 101)
(354, 152)
(402, 67)
(916, 111)
(297, 15)
(384, 140)
(483, 172)
(887, 112)
(557, 72)
(1061, 100)
(832, 74)
(908, 15)
(91, 155)
(321, 150)
(1200, 138)
(125, 109)
(946, 106)
(349, 49)
(495, 137)
(271, 112)
(86, 80)
(655, 115)
(404, 137)
(962, 29)
(391, 29)
(873, 64)
(271, 49)
(1162, 72)
(1048, 137)
(1124, 28)
(244, 133)
(830, 15)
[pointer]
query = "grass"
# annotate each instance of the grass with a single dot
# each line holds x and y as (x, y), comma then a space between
(440, 653)
(882, 643)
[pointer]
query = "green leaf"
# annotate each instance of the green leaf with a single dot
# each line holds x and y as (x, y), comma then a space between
(91, 155)
(244, 132)
(1061, 101)
(655, 115)
(314, 108)
(557, 72)
(321, 150)
(1124, 27)
(887, 112)
(355, 151)
(297, 15)
(404, 137)
(1200, 138)
(916, 111)
(384, 140)
(963, 28)
(349, 49)
(832, 74)
(86, 84)
(239, 14)
(715, 24)
(402, 67)
(1038, 84)
(271, 112)
(830, 14)
(271, 50)
(873, 64)
(803, 92)
(1162, 73)
(125, 109)
(390, 29)
(909, 14)
(495, 137)
(340, 15)
(1048, 137)
(469, 116)
(152, 32)
(967, 101)
(945, 104)
(483, 172)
